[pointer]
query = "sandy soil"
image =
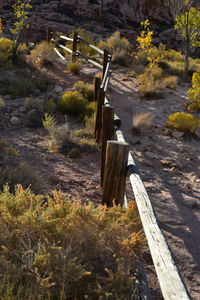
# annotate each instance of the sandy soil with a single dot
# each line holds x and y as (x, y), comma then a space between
(171, 189)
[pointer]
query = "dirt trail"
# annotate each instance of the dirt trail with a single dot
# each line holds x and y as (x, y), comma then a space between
(171, 189)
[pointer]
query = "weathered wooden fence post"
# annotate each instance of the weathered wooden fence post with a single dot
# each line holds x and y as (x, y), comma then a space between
(105, 61)
(107, 134)
(74, 46)
(115, 173)
(97, 84)
(49, 34)
(98, 124)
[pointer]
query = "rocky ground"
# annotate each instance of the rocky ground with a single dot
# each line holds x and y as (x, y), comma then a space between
(169, 165)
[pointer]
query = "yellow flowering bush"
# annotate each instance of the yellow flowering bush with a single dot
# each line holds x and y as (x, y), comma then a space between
(183, 122)
(194, 93)
(48, 250)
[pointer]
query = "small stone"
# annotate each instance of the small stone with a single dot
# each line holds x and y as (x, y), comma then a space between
(95, 177)
(190, 202)
(22, 109)
(147, 163)
(15, 120)
(58, 89)
(177, 134)
(150, 155)
(171, 182)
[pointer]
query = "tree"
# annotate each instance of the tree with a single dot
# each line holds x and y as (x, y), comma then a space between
(21, 9)
(175, 7)
(188, 24)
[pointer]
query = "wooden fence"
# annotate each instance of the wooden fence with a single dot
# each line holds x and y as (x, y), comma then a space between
(116, 164)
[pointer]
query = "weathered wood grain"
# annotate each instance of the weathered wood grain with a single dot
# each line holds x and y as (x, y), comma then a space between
(74, 46)
(107, 134)
(169, 277)
(115, 173)
(90, 45)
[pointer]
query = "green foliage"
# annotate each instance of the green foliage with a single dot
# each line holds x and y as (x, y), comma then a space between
(21, 11)
(49, 122)
(43, 54)
(86, 90)
(183, 122)
(74, 67)
(59, 136)
(15, 171)
(194, 93)
(6, 51)
(73, 103)
(24, 82)
(48, 250)
(188, 24)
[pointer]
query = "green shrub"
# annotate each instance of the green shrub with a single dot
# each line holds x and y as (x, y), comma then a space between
(73, 103)
(150, 82)
(194, 93)
(74, 67)
(87, 90)
(43, 54)
(59, 136)
(48, 250)
(183, 122)
(24, 82)
(6, 51)
(173, 55)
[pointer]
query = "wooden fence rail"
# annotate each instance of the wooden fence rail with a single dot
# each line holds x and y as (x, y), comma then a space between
(116, 163)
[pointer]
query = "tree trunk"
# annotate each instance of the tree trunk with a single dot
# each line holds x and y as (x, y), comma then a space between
(187, 44)
(187, 54)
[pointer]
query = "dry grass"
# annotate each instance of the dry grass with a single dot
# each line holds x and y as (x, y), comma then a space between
(170, 82)
(142, 120)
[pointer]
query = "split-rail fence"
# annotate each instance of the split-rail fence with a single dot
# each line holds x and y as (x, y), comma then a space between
(117, 163)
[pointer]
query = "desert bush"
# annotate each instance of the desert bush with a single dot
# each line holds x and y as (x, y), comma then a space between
(183, 122)
(24, 82)
(48, 250)
(43, 54)
(73, 103)
(74, 67)
(150, 82)
(170, 82)
(194, 93)
(173, 55)
(6, 51)
(118, 47)
(86, 89)
(141, 123)
(15, 171)
(59, 136)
